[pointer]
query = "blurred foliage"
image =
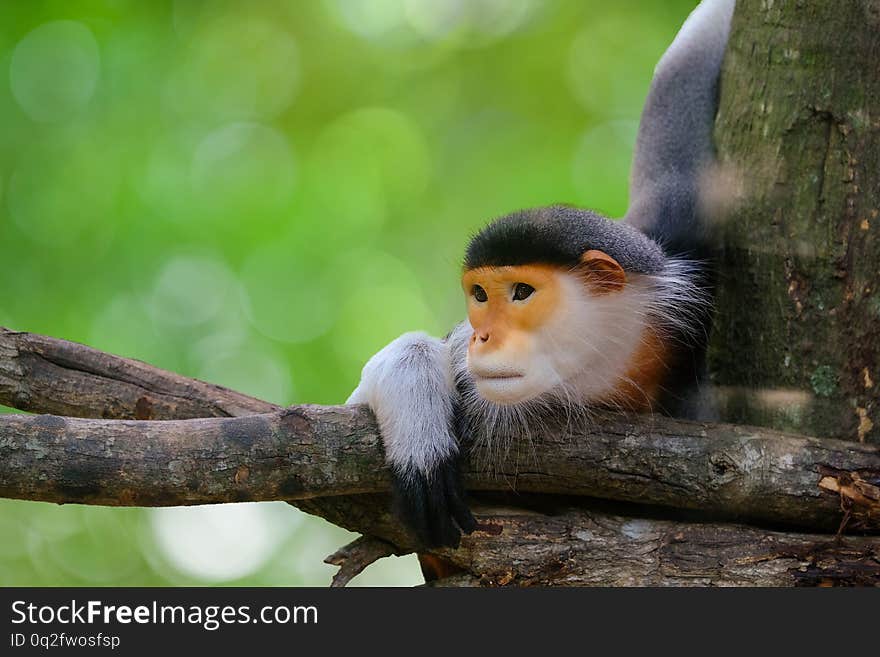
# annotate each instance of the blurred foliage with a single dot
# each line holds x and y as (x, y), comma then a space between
(264, 194)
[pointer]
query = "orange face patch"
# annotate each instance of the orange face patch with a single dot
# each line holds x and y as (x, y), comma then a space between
(500, 320)
(640, 388)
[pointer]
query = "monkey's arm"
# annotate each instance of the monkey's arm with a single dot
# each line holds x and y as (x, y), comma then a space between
(409, 386)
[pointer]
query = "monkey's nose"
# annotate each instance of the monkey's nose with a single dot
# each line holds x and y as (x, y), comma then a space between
(482, 337)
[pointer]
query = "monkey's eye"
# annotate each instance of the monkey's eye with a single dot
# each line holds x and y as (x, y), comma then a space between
(522, 291)
(479, 293)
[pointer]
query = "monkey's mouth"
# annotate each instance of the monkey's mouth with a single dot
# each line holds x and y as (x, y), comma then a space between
(497, 375)
(503, 386)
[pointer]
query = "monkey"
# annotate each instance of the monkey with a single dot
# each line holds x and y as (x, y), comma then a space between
(567, 310)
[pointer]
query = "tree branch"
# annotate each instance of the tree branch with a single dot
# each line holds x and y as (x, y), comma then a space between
(581, 547)
(353, 558)
(311, 451)
(47, 375)
(319, 456)
(567, 546)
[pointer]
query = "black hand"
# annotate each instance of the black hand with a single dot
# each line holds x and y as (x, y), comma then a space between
(433, 504)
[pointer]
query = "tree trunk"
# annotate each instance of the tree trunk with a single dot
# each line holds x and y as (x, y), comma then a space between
(796, 344)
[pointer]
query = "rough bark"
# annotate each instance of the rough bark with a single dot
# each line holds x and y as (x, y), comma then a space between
(225, 460)
(587, 548)
(47, 375)
(568, 546)
(313, 452)
(353, 558)
(796, 343)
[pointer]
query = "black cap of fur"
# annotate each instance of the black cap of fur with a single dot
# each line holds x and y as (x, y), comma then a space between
(559, 235)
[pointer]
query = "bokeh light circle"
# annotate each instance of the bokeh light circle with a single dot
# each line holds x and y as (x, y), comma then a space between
(242, 167)
(250, 370)
(633, 40)
(435, 19)
(83, 554)
(123, 326)
(288, 298)
(408, 23)
(383, 290)
(601, 164)
(238, 68)
(54, 70)
(370, 19)
(218, 542)
(381, 155)
(191, 290)
(60, 191)
(165, 184)
(481, 21)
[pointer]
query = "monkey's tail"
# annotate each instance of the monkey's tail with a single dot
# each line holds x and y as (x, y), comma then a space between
(674, 151)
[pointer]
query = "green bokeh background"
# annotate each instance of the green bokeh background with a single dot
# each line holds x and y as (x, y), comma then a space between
(264, 194)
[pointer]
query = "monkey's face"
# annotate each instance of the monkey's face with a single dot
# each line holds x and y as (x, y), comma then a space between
(509, 308)
(532, 325)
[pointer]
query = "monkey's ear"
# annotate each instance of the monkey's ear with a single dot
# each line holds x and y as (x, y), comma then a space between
(602, 272)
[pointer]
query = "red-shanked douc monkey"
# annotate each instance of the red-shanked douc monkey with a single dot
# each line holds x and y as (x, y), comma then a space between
(567, 310)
